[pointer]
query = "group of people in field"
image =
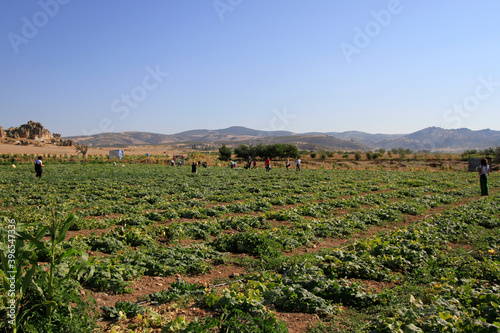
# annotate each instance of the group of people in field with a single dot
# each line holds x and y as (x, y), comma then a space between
(484, 169)
(267, 164)
(195, 165)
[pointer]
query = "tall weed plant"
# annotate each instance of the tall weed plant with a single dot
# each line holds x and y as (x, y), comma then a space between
(45, 298)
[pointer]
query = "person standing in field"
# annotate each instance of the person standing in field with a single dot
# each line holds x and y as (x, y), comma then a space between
(38, 167)
(268, 164)
(287, 164)
(249, 163)
(298, 163)
(194, 167)
(484, 172)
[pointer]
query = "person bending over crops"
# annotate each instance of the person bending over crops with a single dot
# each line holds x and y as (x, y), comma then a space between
(38, 167)
(484, 172)
(268, 164)
(249, 163)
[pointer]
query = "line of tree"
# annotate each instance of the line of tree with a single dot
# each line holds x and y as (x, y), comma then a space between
(276, 150)
(402, 151)
(493, 153)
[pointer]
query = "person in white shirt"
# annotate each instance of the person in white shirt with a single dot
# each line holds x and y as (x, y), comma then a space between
(38, 166)
(484, 172)
(298, 164)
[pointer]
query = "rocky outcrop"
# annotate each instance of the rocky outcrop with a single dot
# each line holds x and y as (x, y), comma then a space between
(33, 131)
(56, 139)
(30, 130)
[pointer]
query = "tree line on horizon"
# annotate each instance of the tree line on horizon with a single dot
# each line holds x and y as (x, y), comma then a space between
(282, 151)
(276, 150)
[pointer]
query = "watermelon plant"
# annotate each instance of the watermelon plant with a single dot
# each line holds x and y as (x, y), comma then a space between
(367, 251)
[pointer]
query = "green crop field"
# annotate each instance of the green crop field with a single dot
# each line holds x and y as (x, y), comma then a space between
(153, 248)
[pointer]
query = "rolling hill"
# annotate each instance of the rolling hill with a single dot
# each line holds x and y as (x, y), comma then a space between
(232, 136)
(431, 138)
(439, 139)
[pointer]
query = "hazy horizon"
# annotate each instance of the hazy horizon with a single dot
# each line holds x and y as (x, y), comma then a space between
(298, 133)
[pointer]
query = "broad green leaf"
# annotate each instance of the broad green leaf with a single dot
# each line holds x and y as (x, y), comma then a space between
(64, 229)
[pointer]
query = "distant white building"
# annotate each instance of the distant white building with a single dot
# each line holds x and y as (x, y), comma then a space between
(118, 153)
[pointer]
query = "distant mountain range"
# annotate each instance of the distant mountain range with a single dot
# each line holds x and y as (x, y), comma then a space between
(431, 138)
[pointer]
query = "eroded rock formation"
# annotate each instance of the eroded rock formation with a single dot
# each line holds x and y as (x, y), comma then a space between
(33, 131)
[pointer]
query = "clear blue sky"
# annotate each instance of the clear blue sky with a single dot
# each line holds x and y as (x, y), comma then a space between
(166, 66)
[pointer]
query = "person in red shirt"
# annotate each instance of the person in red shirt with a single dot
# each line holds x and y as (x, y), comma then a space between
(268, 164)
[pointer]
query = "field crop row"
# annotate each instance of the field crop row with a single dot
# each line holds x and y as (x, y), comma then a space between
(370, 250)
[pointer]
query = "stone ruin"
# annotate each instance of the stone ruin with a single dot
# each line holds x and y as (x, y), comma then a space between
(33, 131)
